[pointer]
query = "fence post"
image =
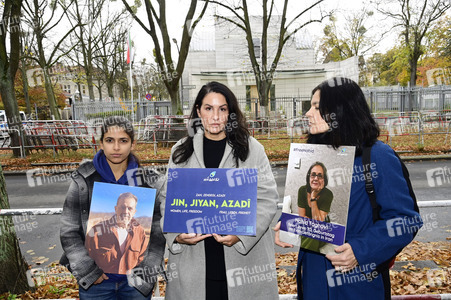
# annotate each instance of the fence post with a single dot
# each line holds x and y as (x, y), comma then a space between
(72, 106)
(256, 108)
(441, 100)
(371, 101)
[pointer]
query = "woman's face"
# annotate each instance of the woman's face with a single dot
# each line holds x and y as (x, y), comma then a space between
(317, 178)
(316, 122)
(116, 145)
(214, 113)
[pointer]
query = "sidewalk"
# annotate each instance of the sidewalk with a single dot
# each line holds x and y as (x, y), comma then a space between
(165, 161)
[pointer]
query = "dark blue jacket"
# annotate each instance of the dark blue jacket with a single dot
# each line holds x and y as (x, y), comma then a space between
(372, 243)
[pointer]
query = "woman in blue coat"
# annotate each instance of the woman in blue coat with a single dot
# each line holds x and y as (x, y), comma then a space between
(339, 115)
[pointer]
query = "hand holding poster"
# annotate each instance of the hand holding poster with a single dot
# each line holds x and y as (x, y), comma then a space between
(317, 192)
(119, 225)
(221, 201)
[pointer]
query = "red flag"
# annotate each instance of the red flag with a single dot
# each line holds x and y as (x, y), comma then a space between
(130, 52)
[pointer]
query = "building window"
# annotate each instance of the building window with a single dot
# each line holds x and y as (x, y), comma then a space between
(66, 88)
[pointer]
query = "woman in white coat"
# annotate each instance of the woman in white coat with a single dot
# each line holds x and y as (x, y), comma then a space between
(212, 266)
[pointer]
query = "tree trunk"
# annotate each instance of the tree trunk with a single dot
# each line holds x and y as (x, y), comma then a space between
(100, 90)
(110, 90)
(13, 278)
(413, 72)
(413, 81)
(90, 87)
(263, 94)
(11, 109)
(25, 89)
(175, 101)
(51, 95)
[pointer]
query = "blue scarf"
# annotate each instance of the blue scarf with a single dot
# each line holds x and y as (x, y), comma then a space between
(103, 168)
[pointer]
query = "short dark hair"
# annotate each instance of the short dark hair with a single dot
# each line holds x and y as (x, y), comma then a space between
(236, 129)
(127, 195)
(118, 121)
(343, 104)
(307, 177)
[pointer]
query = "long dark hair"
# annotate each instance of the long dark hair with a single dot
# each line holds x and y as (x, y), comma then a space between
(236, 131)
(307, 178)
(122, 123)
(343, 105)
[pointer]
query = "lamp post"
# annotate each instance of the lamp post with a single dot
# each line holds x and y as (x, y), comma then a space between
(181, 76)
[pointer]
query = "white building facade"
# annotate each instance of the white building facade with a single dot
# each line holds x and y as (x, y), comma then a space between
(223, 56)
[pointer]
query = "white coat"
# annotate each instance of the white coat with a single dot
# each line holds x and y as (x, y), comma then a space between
(250, 263)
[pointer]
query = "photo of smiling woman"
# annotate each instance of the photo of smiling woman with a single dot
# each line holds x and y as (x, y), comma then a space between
(314, 201)
(212, 266)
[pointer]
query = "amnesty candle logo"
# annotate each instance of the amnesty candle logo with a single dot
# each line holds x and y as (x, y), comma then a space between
(212, 177)
(237, 177)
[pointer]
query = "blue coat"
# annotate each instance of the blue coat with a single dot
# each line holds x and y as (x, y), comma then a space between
(372, 243)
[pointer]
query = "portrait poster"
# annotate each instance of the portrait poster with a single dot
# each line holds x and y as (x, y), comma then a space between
(209, 200)
(316, 199)
(119, 226)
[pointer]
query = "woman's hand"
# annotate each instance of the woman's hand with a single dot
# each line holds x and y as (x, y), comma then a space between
(315, 192)
(277, 239)
(101, 278)
(344, 260)
(227, 240)
(190, 238)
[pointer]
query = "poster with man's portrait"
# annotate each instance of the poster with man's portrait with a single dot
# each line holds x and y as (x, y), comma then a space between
(119, 225)
(316, 200)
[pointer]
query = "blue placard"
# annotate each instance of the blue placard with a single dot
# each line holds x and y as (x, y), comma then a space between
(318, 230)
(222, 201)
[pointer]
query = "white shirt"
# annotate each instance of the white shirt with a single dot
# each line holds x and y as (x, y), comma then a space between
(122, 236)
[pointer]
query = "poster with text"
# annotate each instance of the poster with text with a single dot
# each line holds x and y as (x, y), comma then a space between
(316, 200)
(119, 225)
(206, 200)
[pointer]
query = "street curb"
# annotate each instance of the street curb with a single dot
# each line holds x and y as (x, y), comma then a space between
(403, 158)
(409, 297)
(272, 163)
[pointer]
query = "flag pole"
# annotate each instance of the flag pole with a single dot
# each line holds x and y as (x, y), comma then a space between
(130, 57)
(131, 87)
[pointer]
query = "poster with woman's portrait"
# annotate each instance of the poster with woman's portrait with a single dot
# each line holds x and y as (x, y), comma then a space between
(316, 200)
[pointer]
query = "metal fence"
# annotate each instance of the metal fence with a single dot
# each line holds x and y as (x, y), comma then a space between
(89, 111)
(403, 99)
(380, 99)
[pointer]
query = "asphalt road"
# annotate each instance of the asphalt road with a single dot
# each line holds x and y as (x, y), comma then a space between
(39, 235)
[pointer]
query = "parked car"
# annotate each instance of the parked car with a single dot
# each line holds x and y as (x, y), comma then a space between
(22, 114)
(4, 125)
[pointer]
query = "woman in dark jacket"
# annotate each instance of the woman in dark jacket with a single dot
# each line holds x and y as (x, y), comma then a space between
(111, 164)
(339, 115)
